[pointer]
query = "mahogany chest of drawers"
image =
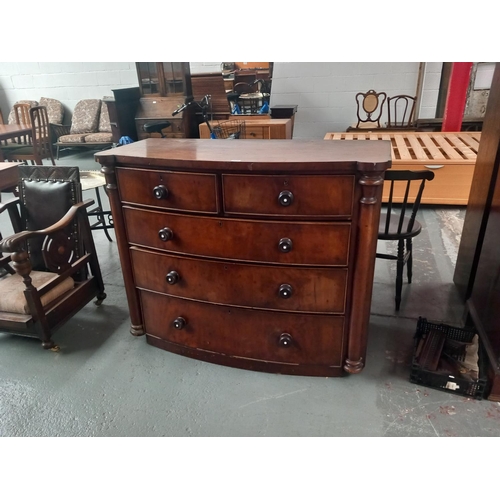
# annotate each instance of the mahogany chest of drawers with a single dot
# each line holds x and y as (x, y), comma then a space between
(255, 254)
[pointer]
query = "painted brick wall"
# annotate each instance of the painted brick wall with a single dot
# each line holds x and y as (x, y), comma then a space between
(68, 82)
(324, 92)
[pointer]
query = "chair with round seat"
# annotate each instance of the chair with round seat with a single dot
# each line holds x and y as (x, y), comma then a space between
(398, 222)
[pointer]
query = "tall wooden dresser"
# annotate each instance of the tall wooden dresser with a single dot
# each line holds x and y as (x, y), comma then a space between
(255, 254)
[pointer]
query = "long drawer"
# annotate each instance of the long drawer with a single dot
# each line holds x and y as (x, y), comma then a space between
(261, 335)
(266, 287)
(289, 195)
(319, 244)
(182, 191)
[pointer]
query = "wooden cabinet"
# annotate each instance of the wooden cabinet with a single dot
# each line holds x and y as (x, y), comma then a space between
(477, 272)
(257, 255)
(256, 127)
(122, 109)
(164, 86)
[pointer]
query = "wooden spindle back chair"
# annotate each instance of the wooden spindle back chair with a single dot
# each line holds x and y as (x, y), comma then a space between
(399, 223)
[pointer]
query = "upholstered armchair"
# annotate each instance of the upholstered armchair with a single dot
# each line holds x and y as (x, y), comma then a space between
(50, 266)
(90, 127)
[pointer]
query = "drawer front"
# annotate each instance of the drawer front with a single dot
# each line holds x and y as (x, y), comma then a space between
(289, 195)
(171, 190)
(266, 287)
(256, 132)
(306, 243)
(262, 335)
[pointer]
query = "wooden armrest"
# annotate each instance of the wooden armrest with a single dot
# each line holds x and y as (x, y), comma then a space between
(13, 243)
(58, 130)
(8, 205)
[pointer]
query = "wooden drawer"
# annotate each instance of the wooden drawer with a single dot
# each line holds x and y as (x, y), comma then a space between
(256, 131)
(450, 186)
(318, 244)
(245, 333)
(312, 289)
(311, 195)
(186, 191)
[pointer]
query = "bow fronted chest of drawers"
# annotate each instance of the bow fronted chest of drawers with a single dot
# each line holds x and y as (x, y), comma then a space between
(254, 254)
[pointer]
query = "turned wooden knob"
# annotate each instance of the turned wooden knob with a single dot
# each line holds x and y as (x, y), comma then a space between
(160, 192)
(179, 323)
(172, 277)
(285, 340)
(285, 245)
(165, 234)
(285, 198)
(285, 291)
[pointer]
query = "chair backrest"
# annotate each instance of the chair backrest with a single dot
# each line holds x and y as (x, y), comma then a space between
(11, 119)
(400, 111)
(46, 193)
(370, 106)
(400, 216)
(85, 119)
(55, 110)
(41, 138)
(22, 114)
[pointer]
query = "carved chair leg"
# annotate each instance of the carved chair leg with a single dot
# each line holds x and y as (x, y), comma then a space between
(399, 272)
(409, 262)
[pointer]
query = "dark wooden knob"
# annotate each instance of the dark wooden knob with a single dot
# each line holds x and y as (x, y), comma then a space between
(179, 323)
(285, 198)
(285, 291)
(285, 245)
(172, 277)
(160, 192)
(165, 234)
(285, 340)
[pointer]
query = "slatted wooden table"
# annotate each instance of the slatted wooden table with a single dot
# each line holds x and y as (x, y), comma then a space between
(451, 156)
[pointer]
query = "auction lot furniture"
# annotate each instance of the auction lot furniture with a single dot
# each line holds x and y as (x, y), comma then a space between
(254, 254)
(450, 155)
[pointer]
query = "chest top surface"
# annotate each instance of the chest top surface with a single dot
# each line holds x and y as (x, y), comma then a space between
(256, 155)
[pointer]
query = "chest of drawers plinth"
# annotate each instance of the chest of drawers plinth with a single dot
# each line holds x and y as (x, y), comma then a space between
(253, 254)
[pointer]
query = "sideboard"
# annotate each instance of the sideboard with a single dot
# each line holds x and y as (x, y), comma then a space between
(254, 254)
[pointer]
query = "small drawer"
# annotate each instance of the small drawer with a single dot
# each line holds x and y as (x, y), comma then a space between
(280, 337)
(266, 287)
(317, 244)
(289, 195)
(181, 191)
(256, 132)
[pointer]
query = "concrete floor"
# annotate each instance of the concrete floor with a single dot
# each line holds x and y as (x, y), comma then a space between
(105, 382)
